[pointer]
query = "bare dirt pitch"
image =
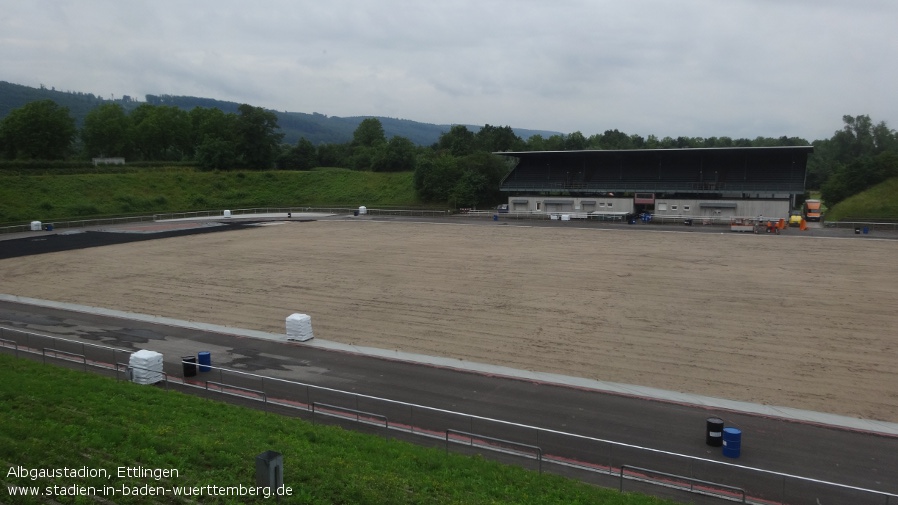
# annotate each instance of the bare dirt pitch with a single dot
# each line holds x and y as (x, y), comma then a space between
(782, 320)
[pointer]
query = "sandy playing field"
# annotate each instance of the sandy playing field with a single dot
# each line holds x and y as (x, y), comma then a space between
(783, 320)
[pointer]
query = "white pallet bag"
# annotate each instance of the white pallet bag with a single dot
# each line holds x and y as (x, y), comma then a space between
(299, 327)
(146, 367)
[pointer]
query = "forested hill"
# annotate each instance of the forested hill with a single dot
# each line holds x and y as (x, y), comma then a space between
(315, 127)
(14, 96)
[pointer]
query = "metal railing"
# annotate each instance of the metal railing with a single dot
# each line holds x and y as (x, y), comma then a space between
(10, 343)
(707, 488)
(563, 450)
(34, 344)
(106, 221)
(360, 415)
(66, 355)
(299, 210)
(494, 444)
(227, 390)
(80, 223)
(870, 225)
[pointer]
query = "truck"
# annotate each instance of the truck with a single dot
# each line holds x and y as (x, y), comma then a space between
(811, 210)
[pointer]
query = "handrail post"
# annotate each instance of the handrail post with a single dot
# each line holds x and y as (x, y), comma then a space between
(783, 500)
(611, 459)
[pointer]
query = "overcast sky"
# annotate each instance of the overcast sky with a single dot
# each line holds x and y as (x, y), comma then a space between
(738, 68)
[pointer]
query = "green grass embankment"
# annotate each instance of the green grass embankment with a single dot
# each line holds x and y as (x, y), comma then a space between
(877, 203)
(54, 418)
(25, 198)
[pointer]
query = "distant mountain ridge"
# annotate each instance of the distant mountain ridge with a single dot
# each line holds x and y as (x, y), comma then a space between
(315, 127)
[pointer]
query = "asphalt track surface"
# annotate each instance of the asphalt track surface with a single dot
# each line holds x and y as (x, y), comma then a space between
(851, 457)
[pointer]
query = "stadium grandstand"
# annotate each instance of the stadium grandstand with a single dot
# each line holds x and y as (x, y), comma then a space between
(702, 182)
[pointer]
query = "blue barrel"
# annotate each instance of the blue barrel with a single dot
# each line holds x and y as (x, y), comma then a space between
(205, 359)
(732, 442)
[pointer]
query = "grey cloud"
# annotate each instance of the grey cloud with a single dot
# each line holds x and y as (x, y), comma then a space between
(694, 67)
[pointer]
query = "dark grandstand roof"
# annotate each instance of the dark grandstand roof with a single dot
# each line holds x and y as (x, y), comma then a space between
(722, 170)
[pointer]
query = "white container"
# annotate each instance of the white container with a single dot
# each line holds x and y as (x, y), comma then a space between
(565, 217)
(363, 210)
(299, 327)
(227, 213)
(36, 226)
(146, 367)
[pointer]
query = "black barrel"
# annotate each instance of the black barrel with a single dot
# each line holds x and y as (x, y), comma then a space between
(189, 363)
(714, 432)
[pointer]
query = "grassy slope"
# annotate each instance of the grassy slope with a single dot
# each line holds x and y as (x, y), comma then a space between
(878, 202)
(25, 198)
(52, 417)
(56, 197)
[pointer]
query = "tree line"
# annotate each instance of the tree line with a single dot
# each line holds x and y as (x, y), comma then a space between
(209, 137)
(859, 156)
(458, 169)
